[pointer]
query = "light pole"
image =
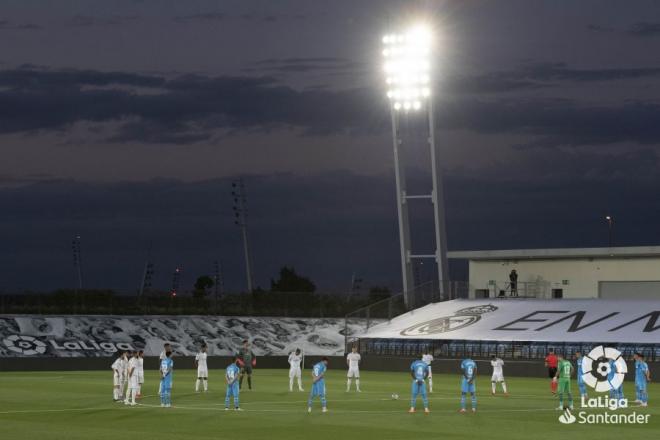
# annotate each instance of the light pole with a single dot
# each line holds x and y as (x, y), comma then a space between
(610, 223)
(77, 261)
(408, 70)
(240, 219)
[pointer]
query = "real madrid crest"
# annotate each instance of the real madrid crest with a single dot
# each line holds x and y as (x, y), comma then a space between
(460, 319)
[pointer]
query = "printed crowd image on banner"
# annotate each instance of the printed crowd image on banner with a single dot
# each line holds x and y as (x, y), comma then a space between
(98, 336)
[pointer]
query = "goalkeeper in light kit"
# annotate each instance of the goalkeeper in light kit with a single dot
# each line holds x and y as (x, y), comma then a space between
(563, 380)
(202, 369)
(353, 361)
(295, 358)
(498, 374)
(419, 370)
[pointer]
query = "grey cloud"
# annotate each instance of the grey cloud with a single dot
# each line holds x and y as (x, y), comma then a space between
(91, 20)
(644, 29)
(204, 16)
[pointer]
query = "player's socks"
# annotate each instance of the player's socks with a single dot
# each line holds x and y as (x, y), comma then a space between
(492, 386)
(250, 382)
(504, 388)
(357, 385)
(325, 409)
(474, 402)
(206, 385)
(290, 384)
(300, 388)
(348, 385)
(197, 385)
(463, 401)
(430, 385)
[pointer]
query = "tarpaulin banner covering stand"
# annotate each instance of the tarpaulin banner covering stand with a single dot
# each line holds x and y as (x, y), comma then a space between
(596, 321)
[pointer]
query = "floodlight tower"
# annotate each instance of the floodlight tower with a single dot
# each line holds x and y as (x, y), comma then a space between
(408, 70)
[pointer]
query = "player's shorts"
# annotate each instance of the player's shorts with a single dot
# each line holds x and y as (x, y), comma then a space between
(202, 372)
(467, 387)
(116, 380)
(430, 373)
(141, 377)
(353, 372)
(247, 369)
(564, 386)
(497, 377)
(295, 372)
(552, 371)
(318, 389)
(133, 381)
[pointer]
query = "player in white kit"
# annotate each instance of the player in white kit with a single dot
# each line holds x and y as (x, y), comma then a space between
(140, 367)
(123, 365)
(295, 358)
(427, 358)
(202, 369)
(132, 379)
(353, 361)
(116, 378)
(498, 374)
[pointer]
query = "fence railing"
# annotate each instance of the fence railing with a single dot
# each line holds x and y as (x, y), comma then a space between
(519, 289)
(521, 350)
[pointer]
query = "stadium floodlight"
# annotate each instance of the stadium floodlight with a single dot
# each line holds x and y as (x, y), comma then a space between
(408, 67)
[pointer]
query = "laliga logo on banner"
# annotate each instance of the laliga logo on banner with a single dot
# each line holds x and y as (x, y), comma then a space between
(26, 345)
(597, 367)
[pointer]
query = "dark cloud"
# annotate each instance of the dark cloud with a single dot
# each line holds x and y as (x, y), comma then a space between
(542, 75)
(190, 108)
(644, 29)
(302, 65)
(91, 20)
(8, 25)
(204, 16)
(599, 28)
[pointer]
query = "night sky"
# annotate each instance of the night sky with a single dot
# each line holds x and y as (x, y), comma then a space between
(126, 121)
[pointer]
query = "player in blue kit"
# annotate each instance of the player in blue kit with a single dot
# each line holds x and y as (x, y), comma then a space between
(616, 393)
(318, 384)
(419, 370)
(232, 375)
(578, 367)
(642, 376)
(166, 372)
(469, 368)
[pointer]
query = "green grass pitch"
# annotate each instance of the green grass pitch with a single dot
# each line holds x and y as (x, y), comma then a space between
(78, 405)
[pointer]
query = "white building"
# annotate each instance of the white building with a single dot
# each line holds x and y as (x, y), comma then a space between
(612, 273)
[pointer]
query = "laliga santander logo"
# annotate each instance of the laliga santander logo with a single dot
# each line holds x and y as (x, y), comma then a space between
(597, 367)
(567, 418)
(26, 345)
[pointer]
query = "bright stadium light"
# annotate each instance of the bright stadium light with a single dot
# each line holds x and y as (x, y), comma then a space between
(407, 67)
(408, 70)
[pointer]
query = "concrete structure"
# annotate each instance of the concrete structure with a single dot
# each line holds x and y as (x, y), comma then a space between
(617, 272)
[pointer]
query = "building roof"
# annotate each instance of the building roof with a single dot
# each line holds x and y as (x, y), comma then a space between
(564, 253)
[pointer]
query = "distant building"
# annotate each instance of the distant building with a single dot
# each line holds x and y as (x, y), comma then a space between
(611, 273)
